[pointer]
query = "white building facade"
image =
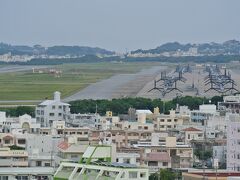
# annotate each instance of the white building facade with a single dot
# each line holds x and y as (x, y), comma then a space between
(52, 110)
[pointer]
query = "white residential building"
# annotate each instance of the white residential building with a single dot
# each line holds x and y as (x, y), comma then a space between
(42, 149)
(128, 158)
(233, 143)
(52, 110)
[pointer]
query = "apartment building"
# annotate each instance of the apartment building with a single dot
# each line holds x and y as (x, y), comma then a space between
(52, 110)
(230, 104)
(191, 134)
(165, 122)
(157, 160)
(181, 154)
(233, 143)
(202, 115)
(83, 120)
(13, 158)
(70, 150)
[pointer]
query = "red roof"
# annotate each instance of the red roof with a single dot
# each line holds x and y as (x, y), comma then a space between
(63, 145)
(158, 156)
(191, 129)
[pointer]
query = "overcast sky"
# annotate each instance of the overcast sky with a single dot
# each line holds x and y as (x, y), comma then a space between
(118, 24)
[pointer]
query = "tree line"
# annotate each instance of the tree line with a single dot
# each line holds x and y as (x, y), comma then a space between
(121, 106)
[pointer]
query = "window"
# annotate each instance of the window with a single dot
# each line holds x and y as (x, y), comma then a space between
(152, 163)
(165, 163)
(21, 141)
(162, 120)
(169, 120)
(127, 161)
(59, 107)
(145, 127)
(59, 114)
(51, 114)
(47, 164)
(21, 177)
(162, 126)
(175, 120)
(4, 177)
(169, 126)
(85, 132)
(74, 156)
(38, 163)
(6, 141)
(142, 175)
(133, 175)
(53, 107)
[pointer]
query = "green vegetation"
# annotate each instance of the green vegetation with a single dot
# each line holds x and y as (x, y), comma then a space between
(74, 77)
(14, 147)
(121, 106)
(164, 174)
(203, 155)
(19, 111)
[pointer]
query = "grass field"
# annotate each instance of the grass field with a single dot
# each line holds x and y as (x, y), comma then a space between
(35, 86)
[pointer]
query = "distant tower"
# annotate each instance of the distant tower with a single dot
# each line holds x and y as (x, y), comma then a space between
(57, 96)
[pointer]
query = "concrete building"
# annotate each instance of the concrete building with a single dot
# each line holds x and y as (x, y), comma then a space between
(204, 113)
(181, 154)
(13, 158)
(52, 110)
(128, 158)
(233, 143)
(220, 153)
(157, 160)
(42, 150)
(83, 120)
(167, 122)
(192, 133)
(70, 150)
(25, 173)
(230, 104)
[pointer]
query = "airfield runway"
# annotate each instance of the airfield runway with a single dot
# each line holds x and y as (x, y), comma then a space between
(118, 86)
(18, 68)
(138, 85)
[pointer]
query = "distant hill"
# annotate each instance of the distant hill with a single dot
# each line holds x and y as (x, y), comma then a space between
(54, 50)
(229, 47)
